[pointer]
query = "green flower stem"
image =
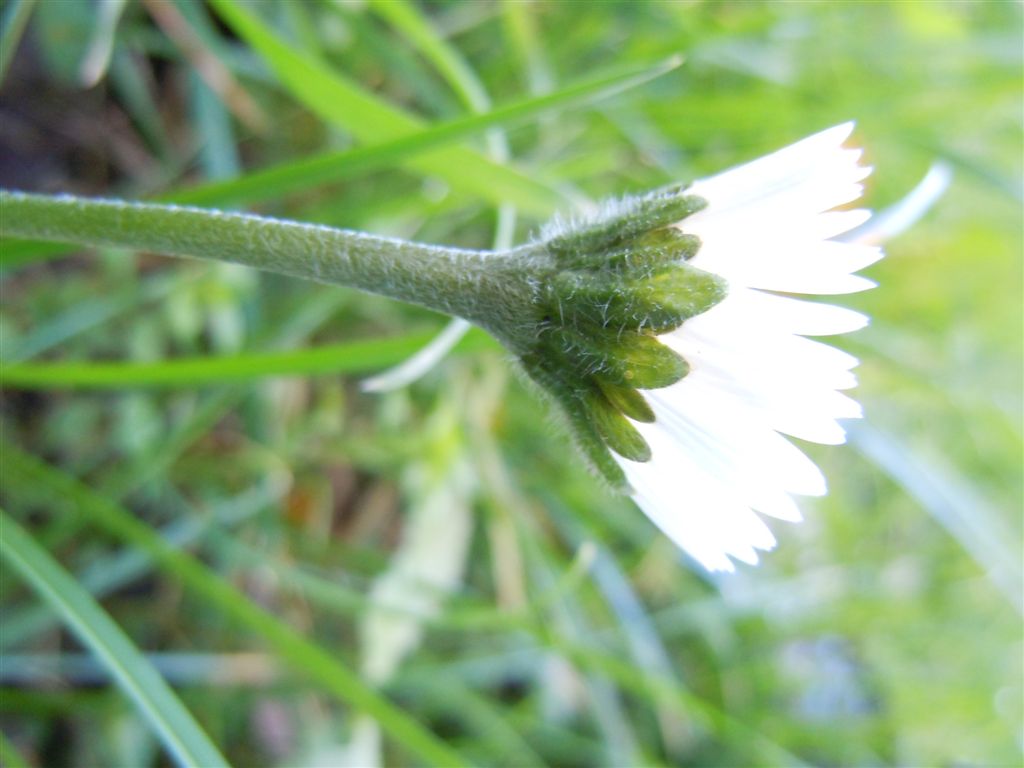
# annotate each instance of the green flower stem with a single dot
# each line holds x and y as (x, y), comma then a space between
(495, 290)
(581, 310)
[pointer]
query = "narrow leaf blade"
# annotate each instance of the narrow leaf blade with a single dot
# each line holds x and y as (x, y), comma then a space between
(136, 677)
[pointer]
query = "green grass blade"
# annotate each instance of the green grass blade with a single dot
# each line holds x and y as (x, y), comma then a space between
(449, 695)
(408, 20)
(370, 119)
(332, 167)
(218, 154)
(337, 166)
(319, 665)
(149, 466)
(128, 81)
(103, 576)
(9, 755)
(156, 702)
(350, 357)
(520, 25)
(88, 313)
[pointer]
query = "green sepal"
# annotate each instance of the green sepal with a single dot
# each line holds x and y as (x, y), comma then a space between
(621, 436)
(627, 400)
(659, 301)
(636, 217)
(674, 294)
(553, 379)
(654, 249)
(643, 362)
(626, 359)
(610, 287)
(581, 354)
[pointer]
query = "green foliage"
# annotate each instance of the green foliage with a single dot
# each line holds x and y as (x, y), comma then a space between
(177, 730)
(268, 494)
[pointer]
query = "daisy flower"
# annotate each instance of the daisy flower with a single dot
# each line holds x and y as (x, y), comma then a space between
(719, 453)
(665, 327)
(662, 324)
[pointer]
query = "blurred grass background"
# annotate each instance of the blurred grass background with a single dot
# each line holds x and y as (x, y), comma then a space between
(442, 541)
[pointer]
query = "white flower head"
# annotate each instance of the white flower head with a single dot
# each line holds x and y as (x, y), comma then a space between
(693, 370)
(719, 453)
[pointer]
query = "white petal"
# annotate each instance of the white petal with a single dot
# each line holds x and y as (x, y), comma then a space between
(725, 429)
(788, 265)
(786, 169)
(807, 318)
(694, 510)
(718, 454)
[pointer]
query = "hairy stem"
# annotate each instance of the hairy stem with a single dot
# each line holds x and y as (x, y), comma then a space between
(493, 289)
